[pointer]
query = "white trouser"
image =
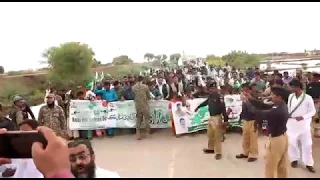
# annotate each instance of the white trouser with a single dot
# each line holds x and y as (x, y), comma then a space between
(306, 146)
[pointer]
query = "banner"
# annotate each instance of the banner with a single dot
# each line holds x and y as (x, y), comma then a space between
(234, 106)
(91, 115)
(188, 121)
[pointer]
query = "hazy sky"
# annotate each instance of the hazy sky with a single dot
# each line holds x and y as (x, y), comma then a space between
(112, 29)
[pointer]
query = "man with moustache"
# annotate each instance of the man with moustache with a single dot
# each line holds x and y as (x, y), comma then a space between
(82, 160)
(52, 116)
(301, 108)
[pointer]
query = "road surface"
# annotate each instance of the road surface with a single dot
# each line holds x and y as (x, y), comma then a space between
(165, 156)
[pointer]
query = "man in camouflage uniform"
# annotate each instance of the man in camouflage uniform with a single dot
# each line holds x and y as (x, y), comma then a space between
(141, 98)
(52, 116)
(15, 113)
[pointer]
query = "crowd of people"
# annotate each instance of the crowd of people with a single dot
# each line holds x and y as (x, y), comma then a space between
(259, 91)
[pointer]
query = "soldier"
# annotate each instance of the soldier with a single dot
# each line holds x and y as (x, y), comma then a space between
(15, 113)
(141, 98)
(216, 127)
(313, 89)
(6, 122)
(52, 116)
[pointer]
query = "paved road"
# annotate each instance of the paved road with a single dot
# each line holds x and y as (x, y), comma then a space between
(166, 156)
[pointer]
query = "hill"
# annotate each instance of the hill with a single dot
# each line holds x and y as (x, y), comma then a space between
(32, 85)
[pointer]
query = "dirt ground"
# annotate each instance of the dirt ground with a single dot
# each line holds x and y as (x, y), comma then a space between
(166, 156)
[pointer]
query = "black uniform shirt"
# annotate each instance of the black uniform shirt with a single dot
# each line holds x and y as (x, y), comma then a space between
(216, 106)
(277, 118)
(313, 89)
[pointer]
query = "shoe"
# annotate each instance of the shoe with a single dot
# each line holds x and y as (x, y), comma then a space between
(294, 164)
(208, 151)
(241, 156)
(311, 169)
(252, 159)
(218, 156)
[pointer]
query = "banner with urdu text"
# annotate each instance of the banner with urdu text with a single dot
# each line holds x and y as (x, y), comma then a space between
(91, 115)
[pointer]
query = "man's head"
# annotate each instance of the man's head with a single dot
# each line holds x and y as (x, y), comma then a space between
(116, 84)
(80, 95)
(296, 86)
(82, 159)
(278, 76)
(253, 86)
(286, 74)
(175, 79)
(50, 99)
(28, 125)
(212, 88)
(316, 77)
(279, 95)
(106, 85)
(131, 79)
(257, 76)
(140, 78)
(160, 80)
(246, 87)
(18, 101)
(125, 80)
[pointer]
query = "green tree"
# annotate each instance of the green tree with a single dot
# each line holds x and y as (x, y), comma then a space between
(214, 60)
(164, 57)
(1, 70)
(149, 57)
(175, 57)
(120, 60)
(241, 59)
(69, 62)
(158, 57)
(96, 63)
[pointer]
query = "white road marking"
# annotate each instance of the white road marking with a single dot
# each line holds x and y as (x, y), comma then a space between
(171, 166)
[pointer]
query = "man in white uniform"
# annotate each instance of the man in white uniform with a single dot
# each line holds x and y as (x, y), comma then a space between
(301, 109)
(82, 160)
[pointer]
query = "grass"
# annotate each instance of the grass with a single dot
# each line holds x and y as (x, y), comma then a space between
(32, 88)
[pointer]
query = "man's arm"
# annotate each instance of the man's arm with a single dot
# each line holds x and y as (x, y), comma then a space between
(311, 109)
(30, 112)
(19, 117)
(62, 119)
(262, 114)
(40, 117)
(224, 112)
(204, 103)
(115, 96)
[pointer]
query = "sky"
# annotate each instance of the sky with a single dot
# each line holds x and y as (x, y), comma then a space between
(133, 29)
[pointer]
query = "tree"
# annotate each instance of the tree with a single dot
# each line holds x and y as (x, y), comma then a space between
(158, 57)
(149, 56)
(120, 60)
(175, 57)
(96, 63)
(69, 62)
(214, 60)
(1, 70)
(164, 57)
(241, 59)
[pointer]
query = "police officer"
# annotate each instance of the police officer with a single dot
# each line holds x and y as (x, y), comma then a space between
(313, 89)
(249, 132)
(276, 159)
(216, 125)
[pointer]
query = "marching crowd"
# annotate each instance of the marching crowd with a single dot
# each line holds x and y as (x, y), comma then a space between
(259, 91)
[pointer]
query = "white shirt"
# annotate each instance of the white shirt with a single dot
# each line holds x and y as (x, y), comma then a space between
(25, 168)
(102, 173)
(306, 110)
